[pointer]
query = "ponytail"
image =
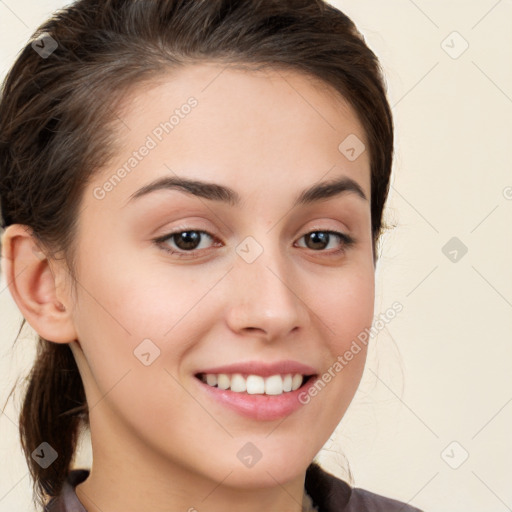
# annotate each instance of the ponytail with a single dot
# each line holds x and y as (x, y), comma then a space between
(53, 409)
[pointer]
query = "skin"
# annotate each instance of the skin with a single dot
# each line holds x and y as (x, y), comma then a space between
(158, 443)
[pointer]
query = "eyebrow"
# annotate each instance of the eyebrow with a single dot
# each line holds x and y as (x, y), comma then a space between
(222, 193)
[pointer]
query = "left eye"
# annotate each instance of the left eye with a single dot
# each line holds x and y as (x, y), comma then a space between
(319, 239)
(186, 242)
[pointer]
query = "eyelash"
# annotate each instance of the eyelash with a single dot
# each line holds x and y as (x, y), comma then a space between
(346, 242)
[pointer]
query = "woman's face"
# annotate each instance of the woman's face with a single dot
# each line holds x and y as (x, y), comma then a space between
(253, 282)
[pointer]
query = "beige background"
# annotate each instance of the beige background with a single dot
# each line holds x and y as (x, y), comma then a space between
(403, 435)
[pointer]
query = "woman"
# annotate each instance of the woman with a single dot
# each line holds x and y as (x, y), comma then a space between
(192, 194)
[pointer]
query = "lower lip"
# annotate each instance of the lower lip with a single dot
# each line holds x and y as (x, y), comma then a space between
(259, 407)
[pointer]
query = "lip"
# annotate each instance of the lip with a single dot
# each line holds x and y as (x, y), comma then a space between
(259, 407)
(262, 369)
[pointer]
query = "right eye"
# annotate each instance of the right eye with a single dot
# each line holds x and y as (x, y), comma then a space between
(186, 242)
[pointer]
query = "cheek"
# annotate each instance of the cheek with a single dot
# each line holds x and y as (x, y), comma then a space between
(344, 309)
(124, 302)
(347, 307)
(129, 298)
(132, 327)
(131, 314)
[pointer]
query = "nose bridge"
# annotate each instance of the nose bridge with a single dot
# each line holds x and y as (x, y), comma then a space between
(265, 297)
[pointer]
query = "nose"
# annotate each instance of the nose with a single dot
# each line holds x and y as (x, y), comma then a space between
(264, 300)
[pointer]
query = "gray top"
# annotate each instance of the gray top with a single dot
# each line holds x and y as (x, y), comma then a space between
(327, 492)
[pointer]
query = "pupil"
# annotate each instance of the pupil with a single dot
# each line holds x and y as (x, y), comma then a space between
(191, 238)
(319, 239)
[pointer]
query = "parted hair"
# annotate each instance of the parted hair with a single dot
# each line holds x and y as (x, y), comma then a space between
(57, 114)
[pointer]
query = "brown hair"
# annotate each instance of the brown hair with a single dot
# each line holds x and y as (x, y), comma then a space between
(56, 118)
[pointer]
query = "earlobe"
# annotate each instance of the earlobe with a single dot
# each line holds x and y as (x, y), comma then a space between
(32, 284)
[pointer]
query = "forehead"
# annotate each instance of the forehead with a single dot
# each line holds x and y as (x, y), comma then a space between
(250, 127)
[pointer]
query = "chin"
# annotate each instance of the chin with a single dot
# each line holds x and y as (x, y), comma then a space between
(264, 475)
(250, 467)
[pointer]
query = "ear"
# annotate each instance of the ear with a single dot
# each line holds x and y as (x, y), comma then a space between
(33, 285)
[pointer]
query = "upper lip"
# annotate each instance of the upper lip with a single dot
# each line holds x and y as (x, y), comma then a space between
(263, 369)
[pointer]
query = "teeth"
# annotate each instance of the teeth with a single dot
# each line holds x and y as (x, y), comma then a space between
(274, 385)
(296, 381)
(238, 383)
(223, 381)
(287, 382)
(211, 379)
(255, 384)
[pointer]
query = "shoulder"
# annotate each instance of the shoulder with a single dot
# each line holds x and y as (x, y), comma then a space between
(331, 494)
(362, 499)
(67, 500)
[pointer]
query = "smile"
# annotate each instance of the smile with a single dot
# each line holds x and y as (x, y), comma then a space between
(258, 390)
(255, 384)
